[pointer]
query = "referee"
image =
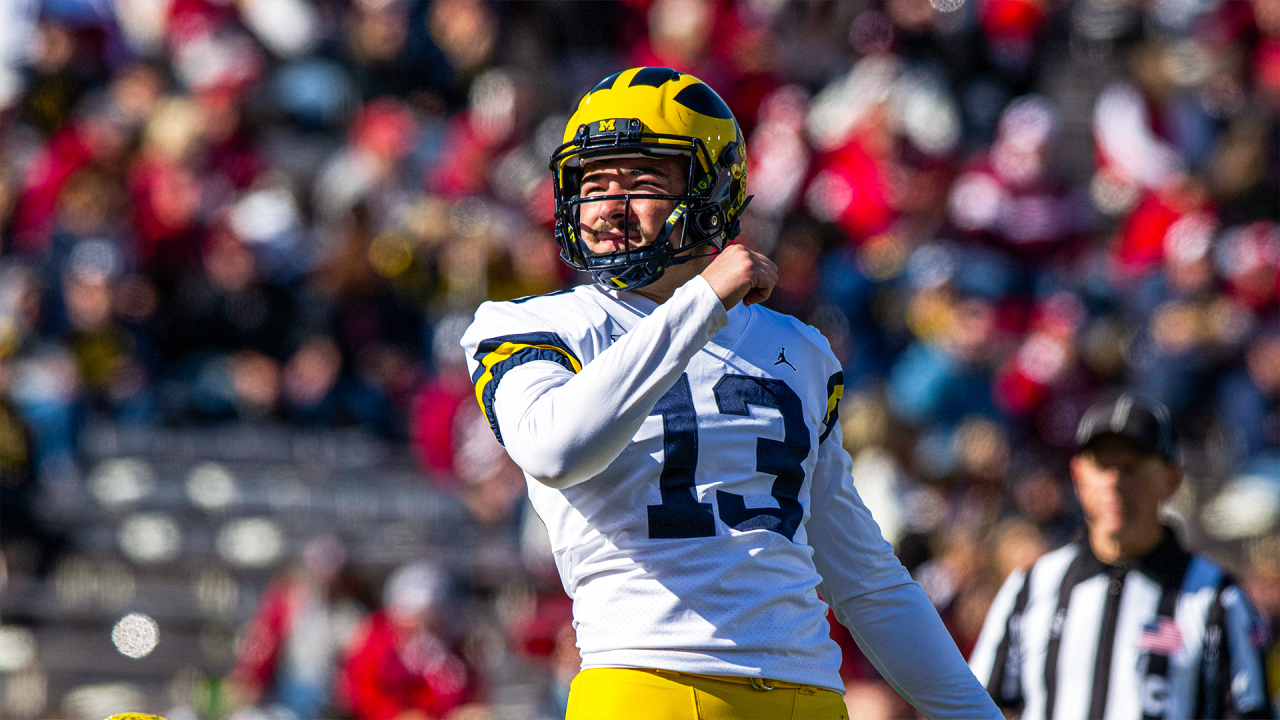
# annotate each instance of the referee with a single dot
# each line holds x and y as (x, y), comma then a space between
(1126, 624)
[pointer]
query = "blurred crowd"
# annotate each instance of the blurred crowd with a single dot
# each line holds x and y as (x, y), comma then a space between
(283, 211)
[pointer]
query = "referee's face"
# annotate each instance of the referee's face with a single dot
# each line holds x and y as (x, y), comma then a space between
(1121, 491)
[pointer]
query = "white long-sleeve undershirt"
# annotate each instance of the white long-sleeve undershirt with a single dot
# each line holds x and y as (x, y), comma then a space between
(562, 428)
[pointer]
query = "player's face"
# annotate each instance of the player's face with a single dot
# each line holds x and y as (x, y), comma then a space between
(1121, 491)
(610, 225)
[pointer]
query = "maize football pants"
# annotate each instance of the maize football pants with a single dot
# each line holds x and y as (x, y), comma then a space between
(641, 694)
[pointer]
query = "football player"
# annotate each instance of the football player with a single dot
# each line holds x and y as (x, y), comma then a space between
(681, 442)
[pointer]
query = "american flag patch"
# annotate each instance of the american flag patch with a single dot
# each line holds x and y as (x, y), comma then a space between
(1161, 637)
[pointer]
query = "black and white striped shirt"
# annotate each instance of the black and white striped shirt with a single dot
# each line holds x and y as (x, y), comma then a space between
(1169, 635)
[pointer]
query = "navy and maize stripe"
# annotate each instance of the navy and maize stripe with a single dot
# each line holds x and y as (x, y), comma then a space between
(500, 354)
(835, 391)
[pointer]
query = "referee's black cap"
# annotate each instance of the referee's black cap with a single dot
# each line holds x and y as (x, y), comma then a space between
(1143, 422)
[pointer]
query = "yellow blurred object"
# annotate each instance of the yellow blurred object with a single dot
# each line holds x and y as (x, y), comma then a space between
(1175, 326)
(9, 335)
(391, 254)
(175, 129)
(883, 257)
(929, 313)
(135, 716)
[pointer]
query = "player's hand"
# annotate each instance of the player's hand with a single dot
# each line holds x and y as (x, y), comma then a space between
(738, 274)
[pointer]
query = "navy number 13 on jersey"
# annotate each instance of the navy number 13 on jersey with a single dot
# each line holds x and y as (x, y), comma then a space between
(680, 515)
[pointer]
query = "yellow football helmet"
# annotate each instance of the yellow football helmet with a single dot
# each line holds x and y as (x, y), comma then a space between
(653, 111)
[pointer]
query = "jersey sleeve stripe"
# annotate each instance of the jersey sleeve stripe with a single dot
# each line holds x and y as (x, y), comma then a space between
(835, 391)
(499, 355)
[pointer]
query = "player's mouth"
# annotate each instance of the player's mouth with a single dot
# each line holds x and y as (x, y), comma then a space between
(608, 241)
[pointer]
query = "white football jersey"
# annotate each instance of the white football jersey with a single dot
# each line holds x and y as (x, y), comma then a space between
(688, 465)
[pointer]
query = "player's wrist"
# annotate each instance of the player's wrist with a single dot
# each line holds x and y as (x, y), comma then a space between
(728, 293)
(708, 301)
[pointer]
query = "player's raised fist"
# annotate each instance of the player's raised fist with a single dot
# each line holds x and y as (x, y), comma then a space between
(738, 274)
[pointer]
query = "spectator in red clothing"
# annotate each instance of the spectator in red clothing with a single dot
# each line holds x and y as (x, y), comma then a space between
(435, 408)
(87, 140)
(290, 649)
(398, 666)
(1013, 197)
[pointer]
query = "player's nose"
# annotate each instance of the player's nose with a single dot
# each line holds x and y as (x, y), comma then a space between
(613, 208)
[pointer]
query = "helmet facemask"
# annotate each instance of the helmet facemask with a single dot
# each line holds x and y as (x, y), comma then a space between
(637, 265)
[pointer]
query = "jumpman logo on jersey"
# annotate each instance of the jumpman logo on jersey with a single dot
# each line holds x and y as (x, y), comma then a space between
(782, 359)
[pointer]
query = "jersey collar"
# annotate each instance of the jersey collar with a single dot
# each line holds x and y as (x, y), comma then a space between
(1160, 563)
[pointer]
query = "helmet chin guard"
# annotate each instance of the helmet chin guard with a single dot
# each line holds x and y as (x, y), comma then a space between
(652, 112)
(637, 265)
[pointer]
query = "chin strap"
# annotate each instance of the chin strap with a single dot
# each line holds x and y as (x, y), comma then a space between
(670, 225)
(682, 259)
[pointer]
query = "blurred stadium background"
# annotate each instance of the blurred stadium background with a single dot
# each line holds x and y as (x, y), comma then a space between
(240, 240)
